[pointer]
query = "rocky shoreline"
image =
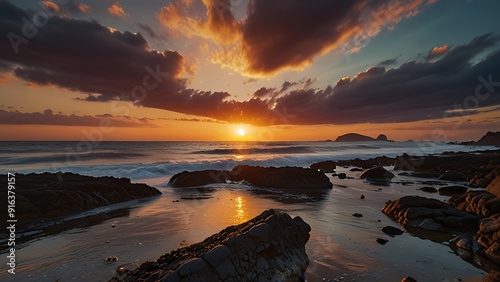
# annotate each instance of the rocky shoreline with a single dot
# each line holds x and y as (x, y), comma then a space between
(49, 195)
(269, 247)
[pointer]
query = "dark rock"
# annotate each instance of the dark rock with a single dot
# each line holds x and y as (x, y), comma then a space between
(353, 137)
(377, 173)
(342, 175)
(494, 186)
(326, 166)
(493, 276)
(270, 247)
(368, 163)
(362, 197)
(358, 215)
(198, 178)
(392, 231)
(382, 137)
(49, 195)
(382, 241)
(453, 175)
(429, 189)
(356, 169)
(429, 214)
(490, 139)
(452, 190)
(281, 177)
(408, 279)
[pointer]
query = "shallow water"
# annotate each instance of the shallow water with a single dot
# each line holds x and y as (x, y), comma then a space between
(341, 247)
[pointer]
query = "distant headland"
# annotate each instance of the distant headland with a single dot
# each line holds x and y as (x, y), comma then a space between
(355, 137)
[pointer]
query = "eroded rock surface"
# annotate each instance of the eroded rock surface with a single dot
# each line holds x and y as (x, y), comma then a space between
(49, 195)
(270, 247)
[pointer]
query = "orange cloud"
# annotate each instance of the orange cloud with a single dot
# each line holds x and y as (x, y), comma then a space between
(116, 10)
(51, 5)
(276, 36)
(440, 50)
(85, 8)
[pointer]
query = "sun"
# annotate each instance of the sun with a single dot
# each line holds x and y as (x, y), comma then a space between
(240, 132)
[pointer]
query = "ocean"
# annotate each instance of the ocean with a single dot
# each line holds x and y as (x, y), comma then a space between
(341, 247)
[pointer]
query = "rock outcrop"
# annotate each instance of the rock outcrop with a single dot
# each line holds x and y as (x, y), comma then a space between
(281, 177)
(198, 178)
(368, 163)
(429, 214)
(489, 139)
(355, 137)
(49, 195)
(325, 166)
(270, 247)
(479, 168)
(494, 186)
(377, 174)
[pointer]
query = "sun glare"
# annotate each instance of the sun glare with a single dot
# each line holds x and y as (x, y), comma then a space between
(240, 131)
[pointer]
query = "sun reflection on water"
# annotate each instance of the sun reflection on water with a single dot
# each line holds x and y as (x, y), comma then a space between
(240, 215)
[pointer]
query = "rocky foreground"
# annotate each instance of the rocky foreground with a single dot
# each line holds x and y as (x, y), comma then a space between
(270, 247)
(47, 195)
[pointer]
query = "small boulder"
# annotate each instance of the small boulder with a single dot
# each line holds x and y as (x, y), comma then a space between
(342, 175)
(452, 190)
(326, 166)
(408, 279)
(382, 241)
(428, 189)
(377, 173)
(392, 231)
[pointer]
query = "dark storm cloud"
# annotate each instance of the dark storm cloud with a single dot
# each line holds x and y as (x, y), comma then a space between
(415, 91)
(49, 118)
(91, 58)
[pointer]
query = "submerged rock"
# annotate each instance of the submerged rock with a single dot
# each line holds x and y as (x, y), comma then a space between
(270, 247)
(198, 178)
(49, 195)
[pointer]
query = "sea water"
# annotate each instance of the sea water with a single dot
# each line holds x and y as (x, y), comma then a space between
(341, 247)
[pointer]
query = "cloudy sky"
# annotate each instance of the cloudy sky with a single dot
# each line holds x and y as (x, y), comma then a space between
(271, 69)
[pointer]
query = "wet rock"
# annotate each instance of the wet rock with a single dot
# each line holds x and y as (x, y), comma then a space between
(408, 279)
(382, 241)
(356, 169)
(111, 259)
(342, 175)
(362, 197)
(494, 186)
(270, 247)
(453, 175)
(377, 173)
(392, 231)
(429, 189)
(367, 163)
(281, 177)
(49, 195)
(326, 166)
(198, 178)
(452, 190)
(429, 214)
(358, 215)
(493, 276)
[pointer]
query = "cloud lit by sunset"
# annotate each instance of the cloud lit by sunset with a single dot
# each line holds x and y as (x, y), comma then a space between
(307, 70)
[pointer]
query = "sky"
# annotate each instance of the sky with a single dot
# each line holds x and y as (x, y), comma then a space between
(248, 70)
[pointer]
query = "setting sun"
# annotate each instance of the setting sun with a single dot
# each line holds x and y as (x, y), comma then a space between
(240, 131)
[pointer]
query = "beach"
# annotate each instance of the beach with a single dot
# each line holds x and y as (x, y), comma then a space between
(341, 247)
